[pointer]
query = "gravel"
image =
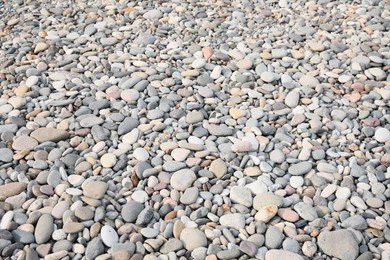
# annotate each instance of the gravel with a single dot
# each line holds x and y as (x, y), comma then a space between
(194, 130)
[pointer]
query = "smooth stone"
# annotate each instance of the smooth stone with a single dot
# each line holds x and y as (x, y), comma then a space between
(273, 237)
(94, 248)
(339, 243)
(6, 155)
(49, 134)
(180, 154)
(241, 195)
(288, 214)
(292, 99)
(109, 235)
(382, 135)
(182, 179)
(220, 130)
(219, 168)
(108, 160)
(194, 117)
(235, 220)
(267, 213)
(140, 154)
(131, 210)
(309, 81)
(300, 168)
(193, 238)
(265, 199)
(73, 227)
(267, 76)
(44, 229)
(356, 222)
(278, 254)
(12, 189)
(306, 211)
(95, 189)
(189, 196)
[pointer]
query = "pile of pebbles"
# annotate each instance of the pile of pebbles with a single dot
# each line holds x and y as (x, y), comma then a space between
(194, 129)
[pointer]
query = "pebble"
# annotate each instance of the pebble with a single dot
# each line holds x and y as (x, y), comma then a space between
(382, 135)
(305, 211)
(347, 247)
(275, 254)
(177, 130)
(273, 237)
(300, 168)
(44, 229)
(265, 199)
(193, 238)
(109, 236)
(241, 195)
(182, 179)
(49, 134)
(235, 220)
(219, 168)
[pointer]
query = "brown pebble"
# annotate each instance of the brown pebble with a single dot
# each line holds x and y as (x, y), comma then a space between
(121, 255)
(12, 189)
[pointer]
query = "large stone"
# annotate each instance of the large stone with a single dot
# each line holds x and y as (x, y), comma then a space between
(340, 243)
(276, 254)
(95, 189)
(44, 229)
(182, 179)
(193, 238)
(12, 189)
(49, 134)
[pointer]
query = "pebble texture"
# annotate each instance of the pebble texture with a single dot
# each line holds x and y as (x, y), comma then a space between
(194, 129)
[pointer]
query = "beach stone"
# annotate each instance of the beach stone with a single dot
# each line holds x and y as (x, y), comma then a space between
(24, 142)
(41, 46)
(292, 99)
(356, 222)
(267, 213)
(94, 248)
(305, 211)
(180, 154)
(235, 220)
(73, 227)
(265, 199)
(12, 189)
(44, 229)
(182, 179)
(193, 238)
(131, 210)
(241, 195)
(273, 237)
(49, 134)
(309, 81)
(300, 168)
(95, 189)
(108, 160)
(248, 248)
(6, 155)
(339, 243)
(382, 135)
(288, 214)
(276, 254)
(267, 76)
(219, 168)
(172, 245)
(189, 196)
(109, 235)
(194, 117)
(220, 130)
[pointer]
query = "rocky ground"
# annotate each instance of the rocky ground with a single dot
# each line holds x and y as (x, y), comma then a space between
(195, 129)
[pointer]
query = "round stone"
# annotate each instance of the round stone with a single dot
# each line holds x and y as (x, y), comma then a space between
(108, 160)
(182, 179)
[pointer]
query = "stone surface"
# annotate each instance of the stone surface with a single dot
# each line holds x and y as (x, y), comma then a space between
(339, 243)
